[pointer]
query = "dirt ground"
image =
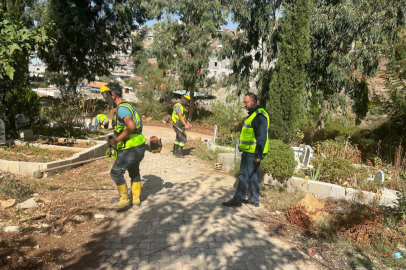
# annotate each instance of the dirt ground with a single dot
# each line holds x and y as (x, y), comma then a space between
(58, 230)
(200, 127)
(64, 225)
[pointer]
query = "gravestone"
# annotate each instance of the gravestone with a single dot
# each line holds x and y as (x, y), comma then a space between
(53, 125)
(2, 132)
(379, 177)
(26, 135)
(302, 152)
(20, 120)
(307, 156)
(88, 125)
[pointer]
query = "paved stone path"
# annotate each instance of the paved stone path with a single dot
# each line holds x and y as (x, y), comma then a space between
(181, 223)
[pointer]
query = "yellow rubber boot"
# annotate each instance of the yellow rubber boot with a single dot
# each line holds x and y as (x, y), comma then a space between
(123, 192)
(136, 190)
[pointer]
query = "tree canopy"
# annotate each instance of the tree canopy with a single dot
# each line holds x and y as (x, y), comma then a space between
(252, 49)
(87, 35)
(185, 44)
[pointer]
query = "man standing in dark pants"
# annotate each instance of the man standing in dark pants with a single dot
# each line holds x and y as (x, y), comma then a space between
(130, 144)
(254, 143)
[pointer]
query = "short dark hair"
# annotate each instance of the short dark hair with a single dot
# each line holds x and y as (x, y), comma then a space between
(116, 89)
(252, 96)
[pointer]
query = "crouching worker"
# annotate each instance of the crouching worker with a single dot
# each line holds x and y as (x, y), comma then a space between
(130, 144)
(101, 119)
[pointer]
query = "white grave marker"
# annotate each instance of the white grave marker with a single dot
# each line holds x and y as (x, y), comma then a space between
(2, 132)
(20, 120)
(302, 153)
(307, 156)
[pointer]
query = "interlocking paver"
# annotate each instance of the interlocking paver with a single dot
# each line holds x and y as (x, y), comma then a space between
(181, 223)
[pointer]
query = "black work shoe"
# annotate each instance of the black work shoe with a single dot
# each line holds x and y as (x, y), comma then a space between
(233, 203)
(251, 203)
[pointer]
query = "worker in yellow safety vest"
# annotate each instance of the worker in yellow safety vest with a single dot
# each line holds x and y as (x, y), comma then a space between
(253, 143)
(130, 144)
(180, 125)
(101, 119)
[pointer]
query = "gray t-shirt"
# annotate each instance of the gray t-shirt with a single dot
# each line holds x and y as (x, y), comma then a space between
(177, 109)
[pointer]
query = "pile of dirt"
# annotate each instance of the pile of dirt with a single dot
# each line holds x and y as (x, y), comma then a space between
(308, 212)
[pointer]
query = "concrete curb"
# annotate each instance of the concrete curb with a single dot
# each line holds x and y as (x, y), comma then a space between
(80, 154)
(326, 190)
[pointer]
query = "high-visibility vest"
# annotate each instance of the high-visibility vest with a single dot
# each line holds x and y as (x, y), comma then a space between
(248, 142)
(101, 117)
(136, 138)
(175, 116)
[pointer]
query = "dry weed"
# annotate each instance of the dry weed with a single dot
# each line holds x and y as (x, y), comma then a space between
(298, 217)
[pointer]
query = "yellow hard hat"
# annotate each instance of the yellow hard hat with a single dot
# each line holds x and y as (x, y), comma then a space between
(104, 88)
(187, 97)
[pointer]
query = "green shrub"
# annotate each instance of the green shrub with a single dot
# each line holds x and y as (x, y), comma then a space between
(340, 171)
(228, 116)
(338, 149)
(280, 160)
(18, 101)
(401, 203)
(229, 119)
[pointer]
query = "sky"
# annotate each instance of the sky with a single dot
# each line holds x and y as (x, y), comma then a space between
(229, 25)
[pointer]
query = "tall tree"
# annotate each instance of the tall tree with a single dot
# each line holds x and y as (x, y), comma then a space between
(87, 35)
(252, 48)
(396, 82)
(348, 39)
(288, 79)
(184, 44)
(16, 43)
(17, 10)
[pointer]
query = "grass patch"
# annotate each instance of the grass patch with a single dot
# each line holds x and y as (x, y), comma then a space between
(13, 187)
(32, 154)
(208, 154)
(279, 199)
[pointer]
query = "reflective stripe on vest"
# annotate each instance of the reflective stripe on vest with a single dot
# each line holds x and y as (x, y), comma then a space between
(136, 138)
(175, 116)
(248, 142)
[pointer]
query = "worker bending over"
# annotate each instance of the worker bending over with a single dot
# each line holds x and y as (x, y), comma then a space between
(130, 144)
(101, 119)
(180, 124)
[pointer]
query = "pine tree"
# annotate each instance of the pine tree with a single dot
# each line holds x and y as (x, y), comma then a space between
(288, 79)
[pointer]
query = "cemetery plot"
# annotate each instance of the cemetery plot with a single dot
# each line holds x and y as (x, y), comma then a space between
(32, 154)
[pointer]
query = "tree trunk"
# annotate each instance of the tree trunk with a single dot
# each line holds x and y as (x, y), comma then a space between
(192, 103)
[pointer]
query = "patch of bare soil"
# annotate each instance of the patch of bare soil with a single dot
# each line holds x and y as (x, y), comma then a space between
(199, 127)
(58, 231)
